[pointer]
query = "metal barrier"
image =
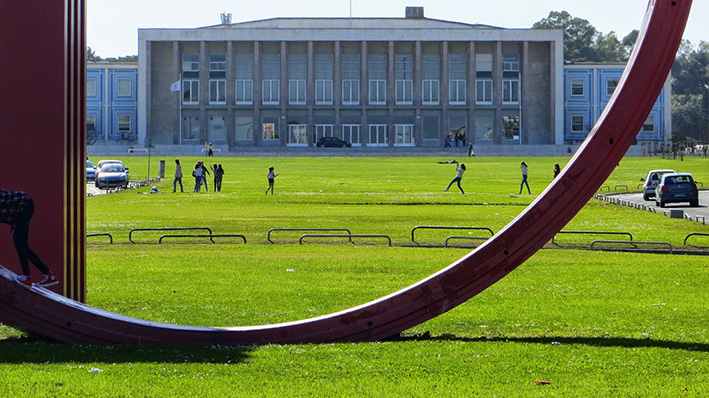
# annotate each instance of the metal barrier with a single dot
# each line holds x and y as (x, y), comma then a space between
(130, 234)
(464, 237)
(110, 237)
(306, 229)
(210, 236)
(604, 188)
(350, 236)
(632, 242)
(592, 233)
(620, 185)
(694, 234)
(434, 227)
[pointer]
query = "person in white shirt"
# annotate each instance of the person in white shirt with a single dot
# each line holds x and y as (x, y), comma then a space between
(271, 180)
(523, 167)
(460, 169)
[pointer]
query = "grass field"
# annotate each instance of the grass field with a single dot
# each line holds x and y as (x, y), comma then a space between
(589, 323)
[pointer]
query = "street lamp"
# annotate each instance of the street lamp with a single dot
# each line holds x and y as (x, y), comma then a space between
(706, 86)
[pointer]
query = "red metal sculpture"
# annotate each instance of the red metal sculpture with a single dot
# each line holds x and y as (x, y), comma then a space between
(69, 321)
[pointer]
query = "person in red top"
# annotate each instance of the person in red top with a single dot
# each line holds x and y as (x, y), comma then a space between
(16, 209)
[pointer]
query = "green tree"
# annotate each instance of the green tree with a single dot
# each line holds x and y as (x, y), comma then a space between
(688, 117)
(579, 35)
(690, 89)
(630, 39)
(91, 55)
(609, 49)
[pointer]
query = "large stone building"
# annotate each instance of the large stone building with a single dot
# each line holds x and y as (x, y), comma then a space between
(377, 82)
(388, 82)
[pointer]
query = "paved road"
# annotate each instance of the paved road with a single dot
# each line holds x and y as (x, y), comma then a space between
(692, 212)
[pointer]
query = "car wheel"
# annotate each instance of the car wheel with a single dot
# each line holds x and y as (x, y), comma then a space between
(646, 197)
(322, 145)
(694, 203)
(662, 204)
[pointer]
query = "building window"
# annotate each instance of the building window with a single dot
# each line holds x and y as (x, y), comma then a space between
(269, 128)
(190, 92)
(510, 91)
(124, 124)
(378, 135)
(244, 92)
(216, 130)
(91, 123)
(91, 87)
(430, 75)
(217, 92)
(577, 87)
(404, 135)
(611, 84)
(456, 75)
(217, 65)
(297, 135)
(350, 132)
(244, 129)
(244, 79)
(377, 79)
(124, 87)
(577, 124)
(323, 78)
(510, 128)
(510, 62)
(483, 63)
(296, 91)
(297, 73)
(483, 91)
(323, 92)
(350, 79)
(323, 130)
(190, 128)
(431, 128)
(270, 70)
(649, 125)
(404, 73)
(271, 92)
(190, 63)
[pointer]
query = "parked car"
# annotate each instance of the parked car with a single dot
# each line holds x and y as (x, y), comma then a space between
(653, 178)
(332, 142)
(676, 187)
(112, 175)
(90, 170)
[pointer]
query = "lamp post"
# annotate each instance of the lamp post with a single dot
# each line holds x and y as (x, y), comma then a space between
(706, 131)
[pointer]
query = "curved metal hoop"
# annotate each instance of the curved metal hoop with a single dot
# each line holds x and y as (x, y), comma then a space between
(648, 67)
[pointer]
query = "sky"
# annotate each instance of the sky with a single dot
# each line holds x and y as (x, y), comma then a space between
(112, 26)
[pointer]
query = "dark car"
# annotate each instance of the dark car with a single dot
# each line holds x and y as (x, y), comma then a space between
(653, 178)
(112, 175)
(90, 170)
(332, 142)
(676, 187)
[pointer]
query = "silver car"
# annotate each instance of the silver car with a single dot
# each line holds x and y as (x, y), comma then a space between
(112, 175)
(653, 178)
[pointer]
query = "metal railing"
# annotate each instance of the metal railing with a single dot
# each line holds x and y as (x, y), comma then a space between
(628, 234)
(444, 228)
(130, 234)
(694, 234)
(350, 236)
(210, 236)
(307, 229)
(110, 237)
(632, 242)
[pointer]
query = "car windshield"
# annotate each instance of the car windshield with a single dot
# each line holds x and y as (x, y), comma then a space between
(90, 164)
(113, 168)
(678, 180)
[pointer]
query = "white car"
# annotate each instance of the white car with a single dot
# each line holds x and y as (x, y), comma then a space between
(653, 178)
(112, 175)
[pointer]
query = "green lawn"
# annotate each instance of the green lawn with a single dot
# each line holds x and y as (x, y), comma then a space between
(589, 323)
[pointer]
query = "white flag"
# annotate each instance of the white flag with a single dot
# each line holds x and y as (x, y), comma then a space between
(176, 86)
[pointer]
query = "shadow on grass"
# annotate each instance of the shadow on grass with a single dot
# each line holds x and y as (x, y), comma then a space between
(624, 342)
(37, 349)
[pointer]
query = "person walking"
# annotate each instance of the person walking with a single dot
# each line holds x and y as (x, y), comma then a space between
(557, 170)
(523, 167)
(16, 209)
(218, 174)
(460, 169)
(178, 177)
(197, 174)
(271, 179)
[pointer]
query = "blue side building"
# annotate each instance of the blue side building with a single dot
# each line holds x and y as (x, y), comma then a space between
(587, 90)
(112, 102)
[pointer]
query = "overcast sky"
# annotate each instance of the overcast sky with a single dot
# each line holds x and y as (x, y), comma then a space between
(113, 25)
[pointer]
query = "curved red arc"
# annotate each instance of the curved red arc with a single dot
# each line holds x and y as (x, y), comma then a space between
(642, 81)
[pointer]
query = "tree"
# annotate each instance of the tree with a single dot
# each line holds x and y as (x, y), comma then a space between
(688, 117)
(610, 49)
(579, 35)
(91, 55)
(630, 39)
(690, 89)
